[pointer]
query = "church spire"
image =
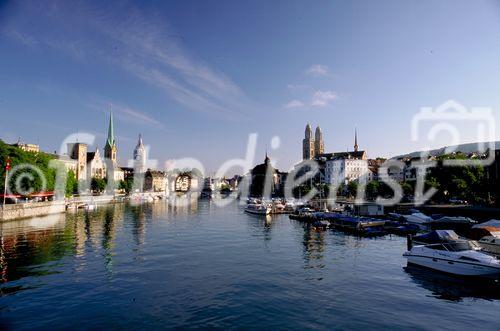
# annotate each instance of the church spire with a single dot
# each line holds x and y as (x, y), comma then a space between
(355, 139)
(110, 149)
(111, 131)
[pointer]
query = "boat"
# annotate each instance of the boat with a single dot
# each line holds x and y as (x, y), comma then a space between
(277, 208)
(460, 258)
(419, 219)
(305, 216)
(90, 206)
(257, 209)
(361, 226)
(436, 237)
(320, 225)
(458, 223)
(401, 227)
(490, 244)
(485, 229)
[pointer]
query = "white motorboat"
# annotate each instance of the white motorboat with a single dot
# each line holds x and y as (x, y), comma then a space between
(419, 219)
(490, 244)
(289, 207)
(459, 258)
(258, 209)
(90, 206)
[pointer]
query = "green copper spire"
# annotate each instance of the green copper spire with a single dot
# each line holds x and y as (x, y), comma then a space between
(111, 133)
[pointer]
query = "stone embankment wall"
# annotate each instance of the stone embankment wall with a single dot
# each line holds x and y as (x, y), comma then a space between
(26, 210)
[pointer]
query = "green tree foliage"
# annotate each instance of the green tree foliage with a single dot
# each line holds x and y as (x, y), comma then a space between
(126, 185)
(98, 185)
(71, 184)
(372, 190)
(462, 182)
(352, 189)
(20, 158)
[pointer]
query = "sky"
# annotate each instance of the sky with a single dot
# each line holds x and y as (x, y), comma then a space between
(196, 78)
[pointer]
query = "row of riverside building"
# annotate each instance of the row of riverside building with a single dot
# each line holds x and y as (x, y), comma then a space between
(344, 167)
(334, 168)
(87, 165)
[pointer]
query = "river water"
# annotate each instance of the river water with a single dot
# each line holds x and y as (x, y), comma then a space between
(156, 266)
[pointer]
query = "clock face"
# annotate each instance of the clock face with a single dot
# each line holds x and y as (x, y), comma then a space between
(182, 183)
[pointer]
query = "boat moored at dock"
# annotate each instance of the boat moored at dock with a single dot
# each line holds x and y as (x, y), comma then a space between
(490, 244)
(257, 209)
(458, 258)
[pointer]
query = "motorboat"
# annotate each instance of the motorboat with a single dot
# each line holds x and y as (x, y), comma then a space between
(461, 258)
(400, 227)
(90, 207)
(306, 215)
(362, 226)
(458, 223)
(485, 229)
(258, 209)
(278, 207)
(490, 244)
(419, 219)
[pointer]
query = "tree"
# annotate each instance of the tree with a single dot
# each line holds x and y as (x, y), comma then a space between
(98, 185)
(126, 185)
(372, 189)
(464, 182)
(408, 188)
(352, 189)
(23, 176)
(71, 184)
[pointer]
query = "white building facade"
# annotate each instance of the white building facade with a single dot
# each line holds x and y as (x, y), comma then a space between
(344, 170)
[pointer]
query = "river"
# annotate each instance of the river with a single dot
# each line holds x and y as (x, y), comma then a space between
(156, 266)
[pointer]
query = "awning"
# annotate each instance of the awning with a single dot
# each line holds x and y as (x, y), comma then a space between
(11, 196)
(43, 194)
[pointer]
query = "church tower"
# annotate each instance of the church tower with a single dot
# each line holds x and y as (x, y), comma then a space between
(140, 157)
(355, 140)
(308, 144)
(319, 146)
(110, 150)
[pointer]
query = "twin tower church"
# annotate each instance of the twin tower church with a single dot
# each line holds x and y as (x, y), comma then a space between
(313, 147)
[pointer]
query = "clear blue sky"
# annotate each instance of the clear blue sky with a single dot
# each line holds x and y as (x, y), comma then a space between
(197, 77)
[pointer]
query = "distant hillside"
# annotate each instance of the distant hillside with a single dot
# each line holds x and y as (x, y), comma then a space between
(464, 148)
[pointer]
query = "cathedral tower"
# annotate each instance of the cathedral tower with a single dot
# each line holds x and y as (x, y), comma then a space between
(319, 146)
(308, 144)
(140, 157)
(110, 150)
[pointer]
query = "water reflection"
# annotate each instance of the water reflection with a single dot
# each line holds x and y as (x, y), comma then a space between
(314, 248)
(262, 225)
(451, 288)
(26, 247)
(33, 247)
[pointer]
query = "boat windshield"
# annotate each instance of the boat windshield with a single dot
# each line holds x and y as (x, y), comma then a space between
(459, 246)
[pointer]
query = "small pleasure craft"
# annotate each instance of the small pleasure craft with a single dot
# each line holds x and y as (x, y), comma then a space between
(419, 219)
(490, 244)
(459, 258)
(258, 209)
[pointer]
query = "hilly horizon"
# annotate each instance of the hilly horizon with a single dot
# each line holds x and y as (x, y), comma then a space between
(464, 148)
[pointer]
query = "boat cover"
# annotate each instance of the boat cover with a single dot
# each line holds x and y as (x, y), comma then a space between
(437, 236)
(489, 224)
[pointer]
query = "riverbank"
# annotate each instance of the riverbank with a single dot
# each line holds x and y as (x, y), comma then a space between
(28, 210)
(11, 212)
